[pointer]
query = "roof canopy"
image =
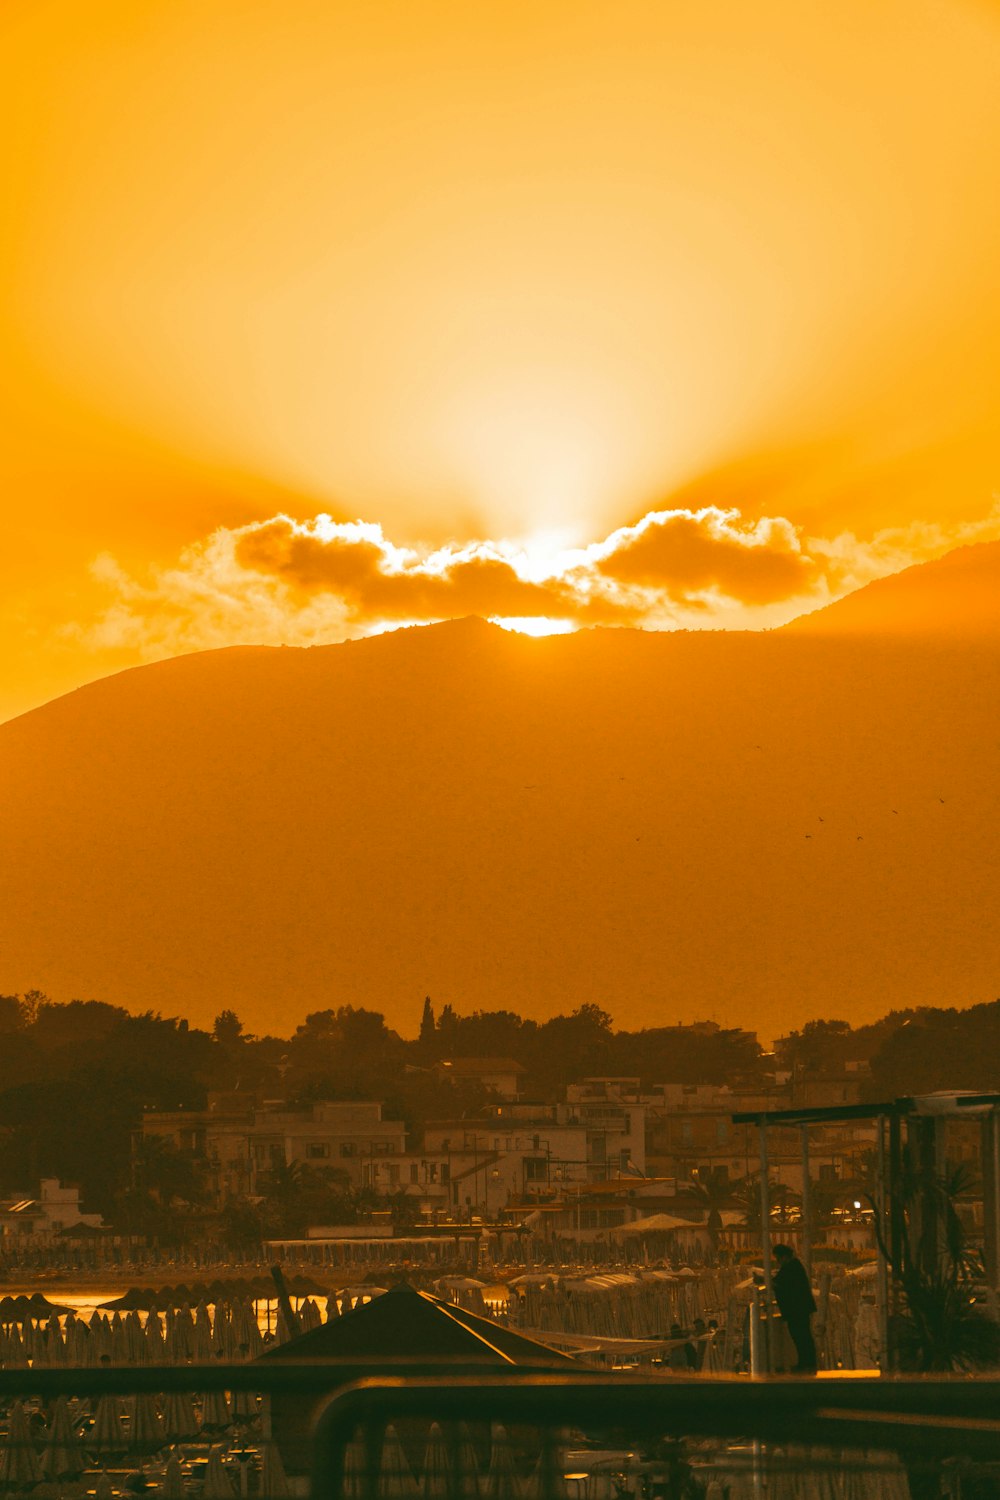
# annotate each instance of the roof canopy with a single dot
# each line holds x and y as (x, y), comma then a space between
(407, 1323)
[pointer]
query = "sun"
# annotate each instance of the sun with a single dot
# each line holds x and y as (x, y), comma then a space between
(537, 625)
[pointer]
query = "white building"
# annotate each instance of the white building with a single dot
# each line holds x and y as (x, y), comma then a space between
(55, 1210)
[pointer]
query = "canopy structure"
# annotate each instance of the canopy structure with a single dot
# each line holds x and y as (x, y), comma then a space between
(409, 1324)
(405, 1325)
(658, 1224)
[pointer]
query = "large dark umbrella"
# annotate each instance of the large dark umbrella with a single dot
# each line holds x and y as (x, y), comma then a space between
(21, 1309)
(304, 1286)
(136, 1299)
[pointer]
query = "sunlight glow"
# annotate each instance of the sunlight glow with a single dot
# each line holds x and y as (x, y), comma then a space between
(534, 624)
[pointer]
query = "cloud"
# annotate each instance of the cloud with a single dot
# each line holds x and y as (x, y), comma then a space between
(283, 581)
(377, 580)
(685, 554)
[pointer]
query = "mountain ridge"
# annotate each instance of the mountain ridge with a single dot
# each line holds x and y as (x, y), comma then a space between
(766, 827)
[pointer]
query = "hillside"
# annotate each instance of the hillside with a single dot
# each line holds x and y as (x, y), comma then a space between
(762, 828)
(956, 595)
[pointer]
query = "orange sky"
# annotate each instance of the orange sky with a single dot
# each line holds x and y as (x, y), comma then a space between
(660, 313)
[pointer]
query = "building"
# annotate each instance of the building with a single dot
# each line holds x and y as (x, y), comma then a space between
(54, 1211)
(500, 1075)
(691, 1132)
(241, 1138)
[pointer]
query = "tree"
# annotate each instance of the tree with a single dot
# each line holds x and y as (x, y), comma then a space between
(166, 1173)
(242, 1227)
(228, 1030)
(11, 1014)
(297, 1195)
(428, 1030)
(446, 1025)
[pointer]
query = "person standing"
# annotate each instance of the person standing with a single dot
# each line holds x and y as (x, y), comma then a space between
(796, 1304)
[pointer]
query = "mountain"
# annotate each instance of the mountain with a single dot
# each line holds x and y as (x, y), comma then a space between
(956, 595)
(759, 827)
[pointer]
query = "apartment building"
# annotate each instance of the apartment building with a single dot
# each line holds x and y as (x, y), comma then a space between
(241, 1138)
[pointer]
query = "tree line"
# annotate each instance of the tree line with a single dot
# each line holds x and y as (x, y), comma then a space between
(77, 1077)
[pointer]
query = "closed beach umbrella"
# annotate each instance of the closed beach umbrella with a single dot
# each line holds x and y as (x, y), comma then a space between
(502, 1482)
(138, 1350)
(183, 1334)
(467, 1481)
(19, 1466)
(173, 1354)
(100, 1336)
(214, 1411)
(309, 1315)
(436, 1483)
(107, 1436)
(395, 1477)
(155, 1345)
(146, 1428)
(13, 1351)
(80, 1345)
(55, 1349)
(273, 1480)
(202, 1345)
(355, 1486)
(218, 1485)
(179, 1420)
(244, 1406)
(172, 1487)
(103, 1489)
(62, 1457)
(120, 1353)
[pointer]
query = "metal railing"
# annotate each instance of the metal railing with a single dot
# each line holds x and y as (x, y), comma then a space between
(381, 1431)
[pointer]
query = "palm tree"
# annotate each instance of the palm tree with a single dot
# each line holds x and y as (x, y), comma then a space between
(784, 1202)
(712, 1190)
(941, 1326)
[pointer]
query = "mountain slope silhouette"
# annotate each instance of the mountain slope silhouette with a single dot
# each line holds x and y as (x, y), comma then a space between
(762, 828)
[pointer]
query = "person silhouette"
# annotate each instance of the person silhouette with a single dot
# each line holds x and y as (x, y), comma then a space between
(796, 1304)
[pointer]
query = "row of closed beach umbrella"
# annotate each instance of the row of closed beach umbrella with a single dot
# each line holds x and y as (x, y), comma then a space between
(76, 1443)
(229, 1332)
(619, 1305)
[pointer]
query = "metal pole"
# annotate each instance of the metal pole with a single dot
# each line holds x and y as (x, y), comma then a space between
(883, 1267)
(806, 1202)
(765, 1241)
(898, 1243)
